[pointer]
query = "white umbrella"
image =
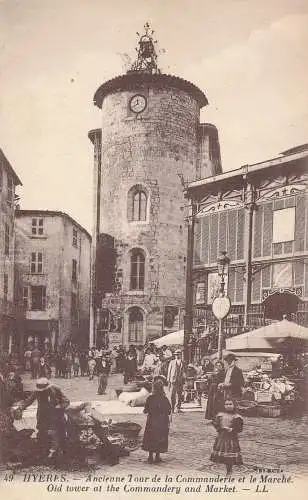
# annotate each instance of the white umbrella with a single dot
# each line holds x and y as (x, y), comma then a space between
(174, 338)
(285, 329)
(266, 336)
(246, 341)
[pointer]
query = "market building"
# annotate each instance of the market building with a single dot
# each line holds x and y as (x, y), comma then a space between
(258, 214)
(52, 256)
(150, 142)
(9, 313)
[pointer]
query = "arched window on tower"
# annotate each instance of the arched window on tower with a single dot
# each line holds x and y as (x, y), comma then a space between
(137, 204)
(135, 326)
(137, 266)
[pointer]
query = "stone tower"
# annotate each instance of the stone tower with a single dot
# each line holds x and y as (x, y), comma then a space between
(150, 138)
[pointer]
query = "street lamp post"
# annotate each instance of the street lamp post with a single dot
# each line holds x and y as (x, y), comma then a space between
(223, 269)
(221, 304)
(188, 318)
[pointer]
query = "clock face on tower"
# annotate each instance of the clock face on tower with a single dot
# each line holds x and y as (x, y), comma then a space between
(138, 103)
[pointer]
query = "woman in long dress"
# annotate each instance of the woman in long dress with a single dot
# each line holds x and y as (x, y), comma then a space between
(158, 409)
(215, 396)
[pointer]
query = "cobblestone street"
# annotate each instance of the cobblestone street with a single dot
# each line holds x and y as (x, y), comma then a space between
(272, 442)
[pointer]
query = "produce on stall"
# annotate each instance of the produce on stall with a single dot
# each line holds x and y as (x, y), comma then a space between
(278, 387)
(89, 433)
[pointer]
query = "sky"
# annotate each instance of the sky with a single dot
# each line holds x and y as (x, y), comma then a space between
(248, 56)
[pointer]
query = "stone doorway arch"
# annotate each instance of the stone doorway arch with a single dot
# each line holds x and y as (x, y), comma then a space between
(280, 305)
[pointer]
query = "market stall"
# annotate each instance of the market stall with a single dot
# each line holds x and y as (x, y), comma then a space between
(250, 360)
(278, 386)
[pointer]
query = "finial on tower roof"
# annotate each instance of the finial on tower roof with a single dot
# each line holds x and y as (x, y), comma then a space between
(147, 58)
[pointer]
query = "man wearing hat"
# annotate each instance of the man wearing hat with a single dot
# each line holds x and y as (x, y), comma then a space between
(234, 379)
(104, 371)
(175, 380)
(51, 403)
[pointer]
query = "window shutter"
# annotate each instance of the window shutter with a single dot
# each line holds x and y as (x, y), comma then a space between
(267, 229)
(298, 272)
(300, 223)
(256, 287)
(204, 222)
(266, 277)
(222, 241)
(240, 233)
(232, 234)
(231, 285)
(257, 231)
(214, 238)
(239, 287)
(197, 243)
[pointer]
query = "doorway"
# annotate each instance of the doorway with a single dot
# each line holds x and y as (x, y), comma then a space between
(280, 305)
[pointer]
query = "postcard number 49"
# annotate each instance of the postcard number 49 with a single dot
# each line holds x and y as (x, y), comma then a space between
(9, 476)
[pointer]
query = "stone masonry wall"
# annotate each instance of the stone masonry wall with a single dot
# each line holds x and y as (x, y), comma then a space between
(149, 149)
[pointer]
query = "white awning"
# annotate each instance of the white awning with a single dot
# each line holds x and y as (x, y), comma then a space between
(268, 337)
(174, 338)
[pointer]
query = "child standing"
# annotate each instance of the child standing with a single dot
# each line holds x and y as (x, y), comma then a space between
(158, 408)
(226, 448)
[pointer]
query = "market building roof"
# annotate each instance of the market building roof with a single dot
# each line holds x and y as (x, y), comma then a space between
(298, 154)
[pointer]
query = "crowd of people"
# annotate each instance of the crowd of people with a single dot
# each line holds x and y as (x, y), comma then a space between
(167, 371)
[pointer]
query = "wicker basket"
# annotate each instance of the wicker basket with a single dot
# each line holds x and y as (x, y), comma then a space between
(247, 408)
(272, 411)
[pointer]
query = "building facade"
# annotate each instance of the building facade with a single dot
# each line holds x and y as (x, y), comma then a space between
(52, 256)
(259, 215)
(9, 314)
(150, 142)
